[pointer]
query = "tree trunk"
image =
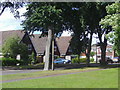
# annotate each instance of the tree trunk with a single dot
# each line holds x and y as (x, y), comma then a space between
(78, 58)
(118, 59)
(89, 50)
(47, 51)
(103, 54)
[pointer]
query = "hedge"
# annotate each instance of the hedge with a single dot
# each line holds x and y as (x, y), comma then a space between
(81, 60)
(11, 62)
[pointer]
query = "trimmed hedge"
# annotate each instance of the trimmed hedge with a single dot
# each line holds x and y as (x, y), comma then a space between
(81, 60)
(11, 62)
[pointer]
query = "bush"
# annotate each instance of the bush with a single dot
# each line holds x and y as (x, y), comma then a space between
(9, 61)
(81, 60)
(91, 59)
(12, 62)
(75, 60)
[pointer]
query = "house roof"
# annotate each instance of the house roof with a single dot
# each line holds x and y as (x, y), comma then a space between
(63, 44)
(4, 35)
(39, 43)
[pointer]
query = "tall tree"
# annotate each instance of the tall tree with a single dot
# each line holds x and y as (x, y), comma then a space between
(44, 17)
(113, 19)
(90, 13)
(102, 31)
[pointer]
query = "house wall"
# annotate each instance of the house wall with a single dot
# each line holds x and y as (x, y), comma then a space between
(68, 57)
(109, 52)
(56, 52)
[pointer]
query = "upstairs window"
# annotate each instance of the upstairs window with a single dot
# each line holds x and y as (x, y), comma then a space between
(55, 48)
(69, 49)
(29, 47)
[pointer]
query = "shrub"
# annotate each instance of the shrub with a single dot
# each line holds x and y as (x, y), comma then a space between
(32, 59)
(9, 61)
(75, 60)
(91, 59)
(12, 62)
(81, 60)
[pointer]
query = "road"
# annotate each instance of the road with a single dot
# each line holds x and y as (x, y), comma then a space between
(7, 71)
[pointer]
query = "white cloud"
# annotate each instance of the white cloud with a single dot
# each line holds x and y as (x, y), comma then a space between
(9, 22)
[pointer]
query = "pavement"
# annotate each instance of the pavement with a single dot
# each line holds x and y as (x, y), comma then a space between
(7, 72)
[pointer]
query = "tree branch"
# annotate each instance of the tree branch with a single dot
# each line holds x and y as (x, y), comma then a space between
(3, 10)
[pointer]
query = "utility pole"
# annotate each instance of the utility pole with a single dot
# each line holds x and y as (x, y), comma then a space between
(53, 50)
(96, 52)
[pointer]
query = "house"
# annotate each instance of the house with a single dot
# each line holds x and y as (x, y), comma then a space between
(39, 44)
(24, 37)
(109, 52)
(63, 44)
(61, 47)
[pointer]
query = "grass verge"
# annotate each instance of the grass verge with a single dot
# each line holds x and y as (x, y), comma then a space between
(96, 79)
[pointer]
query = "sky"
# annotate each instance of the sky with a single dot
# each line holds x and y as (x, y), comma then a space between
(9, 22)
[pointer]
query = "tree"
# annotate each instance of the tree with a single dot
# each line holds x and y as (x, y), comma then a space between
(44, 17)
(76, 46)
(13, 6)
(12, 47)
(92, 54)
(112, 19)
(56, 17)
(32, 58)
(91, 19)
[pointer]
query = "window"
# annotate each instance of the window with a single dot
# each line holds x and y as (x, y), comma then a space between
(55, 48)
(69, 49)
(109, 49)
(29, 47)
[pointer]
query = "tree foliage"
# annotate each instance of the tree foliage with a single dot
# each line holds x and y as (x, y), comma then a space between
(113, 19)
(41, 16)
(12, 47)
(13, 6)
(92, 54)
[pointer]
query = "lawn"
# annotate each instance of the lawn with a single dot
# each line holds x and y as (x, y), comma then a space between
(107, 78)
(42, 73)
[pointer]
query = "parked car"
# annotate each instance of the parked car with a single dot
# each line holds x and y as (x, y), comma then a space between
(108, 60)
(115, 60)
(62, 61)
